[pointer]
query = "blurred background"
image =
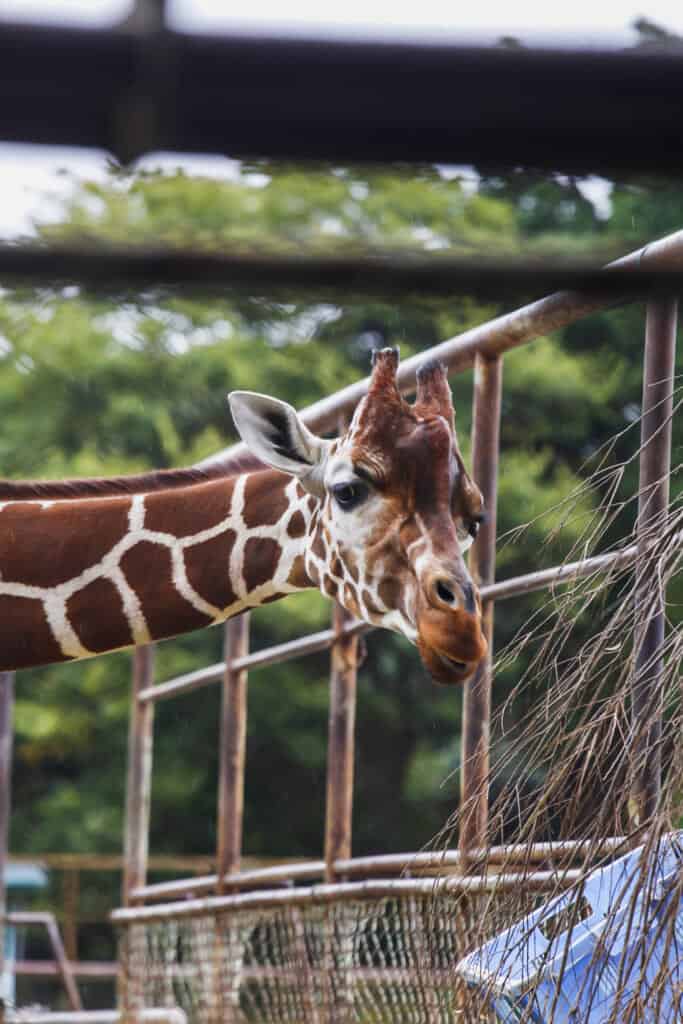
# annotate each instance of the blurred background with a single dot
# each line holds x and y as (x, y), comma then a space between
(101, 385)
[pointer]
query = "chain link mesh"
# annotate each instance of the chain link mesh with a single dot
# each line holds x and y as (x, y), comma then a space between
(367, 961)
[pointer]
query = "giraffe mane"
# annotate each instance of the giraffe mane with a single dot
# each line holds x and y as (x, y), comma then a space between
(104, 487)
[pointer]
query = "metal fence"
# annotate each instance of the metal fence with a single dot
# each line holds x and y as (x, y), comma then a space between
(232, 895)
(120, 90)
(484, 347)
(141, 86)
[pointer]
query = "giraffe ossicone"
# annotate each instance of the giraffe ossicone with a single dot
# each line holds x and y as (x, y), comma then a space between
(377, 519)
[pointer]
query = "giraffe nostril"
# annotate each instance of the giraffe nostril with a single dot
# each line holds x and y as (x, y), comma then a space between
(444, 592)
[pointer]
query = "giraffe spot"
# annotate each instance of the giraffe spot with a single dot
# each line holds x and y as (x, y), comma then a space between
(296, 527)
(96, 614)
(351, 566)
(390, 593)
(26, 636)
(261, 555)
(189, 510)
(336, 568)
(319, 547)
(149, 572)
(62, 541)
(371, 604)
(330, 587)
(208, 569)
(264, 504)
(312, 504)
(298, 577)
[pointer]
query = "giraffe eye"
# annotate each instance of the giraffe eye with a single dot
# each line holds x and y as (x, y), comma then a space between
(348, 496)
(467, 530)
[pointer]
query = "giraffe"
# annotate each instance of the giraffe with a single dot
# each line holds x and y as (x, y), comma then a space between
(377, 519)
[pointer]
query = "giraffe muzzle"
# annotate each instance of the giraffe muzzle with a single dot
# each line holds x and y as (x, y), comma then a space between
(451, 643)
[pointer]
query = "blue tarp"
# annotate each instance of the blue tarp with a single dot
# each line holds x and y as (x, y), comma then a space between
(25, 876)
(609, 950)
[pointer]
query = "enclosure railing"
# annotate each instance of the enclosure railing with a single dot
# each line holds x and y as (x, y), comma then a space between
(471, 869)
(125, 95)
(482, 347)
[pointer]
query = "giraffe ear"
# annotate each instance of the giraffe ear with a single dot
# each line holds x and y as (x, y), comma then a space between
(276, 434)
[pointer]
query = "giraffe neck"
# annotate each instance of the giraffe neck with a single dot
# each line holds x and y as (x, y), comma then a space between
(82, 576)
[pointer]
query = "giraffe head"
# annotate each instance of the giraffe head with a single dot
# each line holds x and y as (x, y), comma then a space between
(395, 510)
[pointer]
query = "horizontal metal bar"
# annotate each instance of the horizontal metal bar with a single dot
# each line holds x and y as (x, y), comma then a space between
(495, 337)
(384, 864)
(279, 653)
(29, 918)
(170, 1015)
(558, 574)
(343, 892)
(561, 574)
(341, 100)
(183, 684)
(115, 861)
(116, 269)
(452, 859)
(276, 654)
(282, 874)
(79, 968)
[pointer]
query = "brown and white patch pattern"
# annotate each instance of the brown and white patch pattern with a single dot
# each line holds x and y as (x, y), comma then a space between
(109, 572)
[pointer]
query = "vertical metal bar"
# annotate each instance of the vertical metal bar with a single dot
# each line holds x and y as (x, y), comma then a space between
(227, 944)
(653, 503)
(63, 964)
(232, 750)
(139, 782)
(6, 715)
(488, 382)
(340, 750)
(70, 896)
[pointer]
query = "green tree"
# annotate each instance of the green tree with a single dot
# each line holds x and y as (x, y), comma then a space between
(89, 386)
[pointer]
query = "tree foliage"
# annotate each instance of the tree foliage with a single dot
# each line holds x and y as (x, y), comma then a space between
(92, 387)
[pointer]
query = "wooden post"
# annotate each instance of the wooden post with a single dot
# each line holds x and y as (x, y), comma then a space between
(488, 381)
(340, 751)
(232, 751)
(139, 783)
(71, 894)
(227, 943)
(339, 804)
(6, 715)
(653, 503)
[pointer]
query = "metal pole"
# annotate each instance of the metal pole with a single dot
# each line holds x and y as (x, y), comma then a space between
(63, 963)
(653, 503)
(71, 882)
(232, 750)
(139, 783)
(6, 708)
(340, 751)
(493, 338)
(488, 381)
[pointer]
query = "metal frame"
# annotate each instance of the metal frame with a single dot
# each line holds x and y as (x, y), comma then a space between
(120, 90)
(485, 347)
(115, 269)
(62, 965)
(140, 87)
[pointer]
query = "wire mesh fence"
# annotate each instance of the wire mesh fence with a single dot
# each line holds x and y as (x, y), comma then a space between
(365, 960)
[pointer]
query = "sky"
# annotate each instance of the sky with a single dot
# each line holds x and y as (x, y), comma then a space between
(32, 178)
